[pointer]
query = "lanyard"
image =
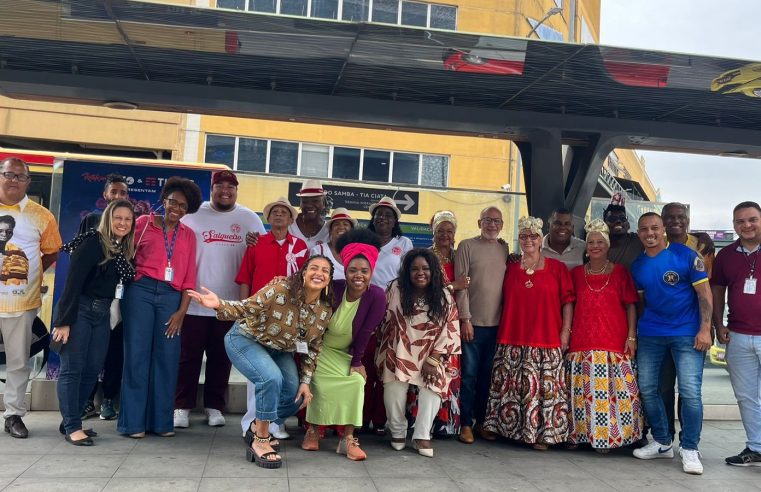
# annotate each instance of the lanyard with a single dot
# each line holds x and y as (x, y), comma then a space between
(746, 255)
(169, 249)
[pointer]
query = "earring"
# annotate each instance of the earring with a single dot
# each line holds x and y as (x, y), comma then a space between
(326, 291)
(303, 282)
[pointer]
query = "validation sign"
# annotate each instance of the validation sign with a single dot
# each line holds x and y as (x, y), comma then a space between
(356, 198)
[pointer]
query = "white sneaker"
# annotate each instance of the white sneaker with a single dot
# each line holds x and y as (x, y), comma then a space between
(278, 431)
(691, 461)
(214, 417)
(654, 450)
(182, 418)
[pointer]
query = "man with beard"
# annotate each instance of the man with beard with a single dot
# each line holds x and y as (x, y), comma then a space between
(220, 226)
(676, 307)
(625, 246)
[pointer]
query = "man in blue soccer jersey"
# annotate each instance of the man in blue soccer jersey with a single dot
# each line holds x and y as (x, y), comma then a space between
(676, 319)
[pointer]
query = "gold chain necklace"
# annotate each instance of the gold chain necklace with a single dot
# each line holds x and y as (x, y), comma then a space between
(441, 257)
(588, 270)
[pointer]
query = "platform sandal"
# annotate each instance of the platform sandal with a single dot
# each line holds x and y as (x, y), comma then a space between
(263, 461)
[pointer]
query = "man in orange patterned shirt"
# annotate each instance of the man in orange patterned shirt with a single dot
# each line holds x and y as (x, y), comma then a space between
(36, 234)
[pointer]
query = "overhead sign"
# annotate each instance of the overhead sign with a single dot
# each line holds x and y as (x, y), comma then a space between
(356, 198)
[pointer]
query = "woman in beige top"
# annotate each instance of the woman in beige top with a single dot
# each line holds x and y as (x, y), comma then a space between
(288, 316)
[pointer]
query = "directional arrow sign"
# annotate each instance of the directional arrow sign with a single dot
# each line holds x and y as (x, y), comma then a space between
(356, 198)
(407, 203)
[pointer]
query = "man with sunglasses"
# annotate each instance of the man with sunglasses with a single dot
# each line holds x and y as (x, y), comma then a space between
(625, 246)
(36, 233)
(483, 261)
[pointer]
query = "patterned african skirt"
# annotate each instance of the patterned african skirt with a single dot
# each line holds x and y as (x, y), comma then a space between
(606, 411)
(528, 397)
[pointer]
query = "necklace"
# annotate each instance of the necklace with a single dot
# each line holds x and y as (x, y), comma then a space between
(529, 271)
(601, 270)
(444, 260)
(420, 302)
(588, 270)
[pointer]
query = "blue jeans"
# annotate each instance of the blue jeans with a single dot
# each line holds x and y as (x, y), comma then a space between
(744, 361)
(273, 373)
(689, 374)
(82, 359)
(151, 360)
(477, 363)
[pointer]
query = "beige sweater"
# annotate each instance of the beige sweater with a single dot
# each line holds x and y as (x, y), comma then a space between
(485, 264)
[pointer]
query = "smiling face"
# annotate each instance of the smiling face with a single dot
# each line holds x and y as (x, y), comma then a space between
(176, 206)
(338, 228)
(444, 237)
(384, 220)
(6, 231)
(561, 228)
(676, 220)
(747, 223)
(490, 223)
(597, 248)
(358, 275)
(618, 223)
(651, 232)
(13, 190)
(420, 273)
(317, 275)
(224, 195)
(121, 222)
(312, 207)
(530, 242)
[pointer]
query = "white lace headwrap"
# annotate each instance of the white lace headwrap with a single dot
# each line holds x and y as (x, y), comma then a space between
(600, 227)
(533, 224)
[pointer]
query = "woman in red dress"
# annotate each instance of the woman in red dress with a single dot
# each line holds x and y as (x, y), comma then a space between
(528, 397)
(605, 407)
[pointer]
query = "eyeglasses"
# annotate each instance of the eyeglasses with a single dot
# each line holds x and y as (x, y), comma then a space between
(21, 178)
(171, 202)
(489, 220)
(524, 237)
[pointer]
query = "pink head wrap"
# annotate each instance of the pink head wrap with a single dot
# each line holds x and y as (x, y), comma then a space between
(352, 250)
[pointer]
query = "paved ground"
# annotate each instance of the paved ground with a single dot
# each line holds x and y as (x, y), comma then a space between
(205, 459)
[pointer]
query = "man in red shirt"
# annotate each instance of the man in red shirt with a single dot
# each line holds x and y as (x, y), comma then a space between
(275, 254)
(735, 273)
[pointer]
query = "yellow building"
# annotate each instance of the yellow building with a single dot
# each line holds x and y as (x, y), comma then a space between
(367, 156)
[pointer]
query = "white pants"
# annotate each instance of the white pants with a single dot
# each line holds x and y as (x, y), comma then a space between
(250, 415)
(17, 338)
(395, 398)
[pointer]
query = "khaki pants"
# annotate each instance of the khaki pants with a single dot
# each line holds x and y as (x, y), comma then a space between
(17, 338)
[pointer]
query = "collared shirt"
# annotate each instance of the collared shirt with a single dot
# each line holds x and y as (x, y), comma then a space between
(731, 269)
(35, 234)
(278, 321)
(269, 259)
(572, 255)
(152, 258)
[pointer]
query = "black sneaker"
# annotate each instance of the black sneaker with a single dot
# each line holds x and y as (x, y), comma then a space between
(89, 411)
(745, 458)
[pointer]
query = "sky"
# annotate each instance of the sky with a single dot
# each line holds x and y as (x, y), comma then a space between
(711, 185)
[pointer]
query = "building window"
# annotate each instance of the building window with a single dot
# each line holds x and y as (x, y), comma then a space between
(327, 161)
(544, 31)
(405, 12)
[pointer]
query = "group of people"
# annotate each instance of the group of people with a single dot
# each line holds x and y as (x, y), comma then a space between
(566, 342)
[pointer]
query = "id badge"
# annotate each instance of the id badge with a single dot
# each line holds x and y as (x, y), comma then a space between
(168, 274)
(302, 347)
(119, 293)
(750, 286)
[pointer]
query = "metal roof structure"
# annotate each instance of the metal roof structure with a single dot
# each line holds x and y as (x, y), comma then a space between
(540, 94)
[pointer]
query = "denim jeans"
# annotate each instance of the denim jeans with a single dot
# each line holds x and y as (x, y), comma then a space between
(744, 361)
(151, 360)
(477, 363)
(82, 359)
(273, 373)
(689, 374)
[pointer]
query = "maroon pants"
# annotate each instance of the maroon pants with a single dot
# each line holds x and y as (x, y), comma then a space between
(374, 410)
(203, 334)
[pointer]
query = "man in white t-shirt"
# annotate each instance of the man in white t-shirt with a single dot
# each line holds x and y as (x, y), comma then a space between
(221, 226)
(310, 224)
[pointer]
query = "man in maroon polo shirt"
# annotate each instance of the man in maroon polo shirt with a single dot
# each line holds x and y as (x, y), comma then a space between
(735, 272)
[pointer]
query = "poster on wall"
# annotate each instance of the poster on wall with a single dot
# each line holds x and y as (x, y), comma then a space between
(82, 193)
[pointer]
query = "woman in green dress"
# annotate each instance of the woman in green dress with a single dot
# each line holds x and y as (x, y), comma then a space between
(338, 384)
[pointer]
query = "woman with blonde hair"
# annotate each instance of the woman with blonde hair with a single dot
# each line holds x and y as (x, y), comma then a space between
(605, 406)
(528, 399)
(99, 269)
